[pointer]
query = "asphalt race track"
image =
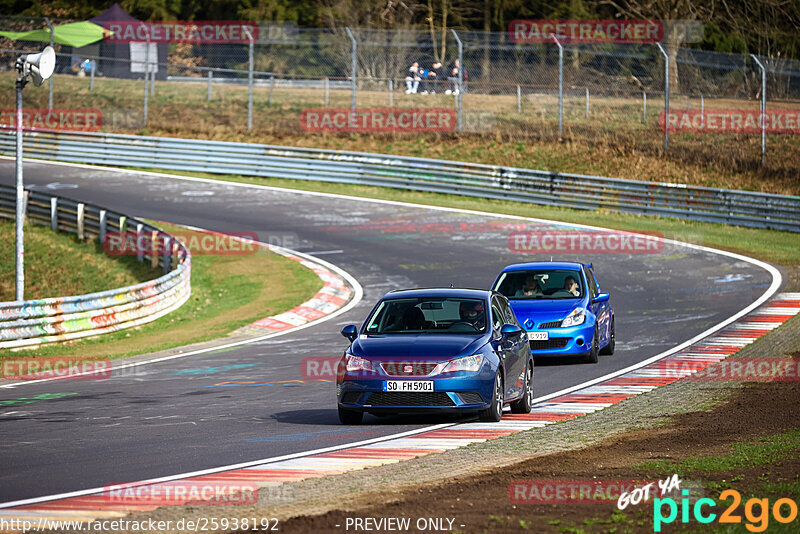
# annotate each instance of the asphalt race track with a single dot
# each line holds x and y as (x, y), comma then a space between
(170, 417)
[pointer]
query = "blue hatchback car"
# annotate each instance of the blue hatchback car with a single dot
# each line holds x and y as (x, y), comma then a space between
(561, 307)
(436, 351)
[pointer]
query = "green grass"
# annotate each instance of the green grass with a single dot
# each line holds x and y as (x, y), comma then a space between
(774, 246)
(743, 456)
(58, 264)
(228, 291)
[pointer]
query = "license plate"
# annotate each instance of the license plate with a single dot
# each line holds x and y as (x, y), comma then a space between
(538, 336)
(408, 385)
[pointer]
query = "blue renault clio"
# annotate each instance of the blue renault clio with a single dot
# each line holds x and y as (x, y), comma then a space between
(436, 351)
(561, 307)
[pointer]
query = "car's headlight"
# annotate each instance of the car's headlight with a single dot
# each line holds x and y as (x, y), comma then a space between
(576, 317)
(355, 363)
(467, 363)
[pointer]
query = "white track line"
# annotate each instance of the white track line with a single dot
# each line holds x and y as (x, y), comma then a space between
(773, 288)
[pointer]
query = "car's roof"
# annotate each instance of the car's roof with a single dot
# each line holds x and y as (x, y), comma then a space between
(570, 265)
(456, 292)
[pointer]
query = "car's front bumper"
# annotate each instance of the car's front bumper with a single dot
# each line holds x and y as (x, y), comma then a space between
(571, 341)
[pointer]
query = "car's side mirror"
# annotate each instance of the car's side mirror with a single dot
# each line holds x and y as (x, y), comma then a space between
(509, 331)
(601, 297)
(350, 332)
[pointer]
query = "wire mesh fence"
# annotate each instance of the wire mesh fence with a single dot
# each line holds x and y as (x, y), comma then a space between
(545, 90)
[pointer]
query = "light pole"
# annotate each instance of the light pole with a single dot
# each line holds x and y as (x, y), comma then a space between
(37, 67)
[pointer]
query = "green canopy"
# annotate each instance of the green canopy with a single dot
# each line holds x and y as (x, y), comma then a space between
(75, 34)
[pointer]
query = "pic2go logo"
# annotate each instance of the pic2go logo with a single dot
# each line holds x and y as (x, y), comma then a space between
(756, 511)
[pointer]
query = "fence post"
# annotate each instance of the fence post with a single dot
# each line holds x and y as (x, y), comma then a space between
(460, 121)
(103, 217)
(271, 88)
(587, 103)
(666, 96)
(353, 66)
(327, 89)
(763, 117)
(146, 92)
(52, 44)
(560, 87)
(210, 79)
(702, 105)
(391, 93)
(91, 73)
(644, 107)
(54, 213)
(519, 100)
(249, 80)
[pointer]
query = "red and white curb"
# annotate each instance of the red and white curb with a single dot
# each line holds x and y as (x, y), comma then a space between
(441, 438)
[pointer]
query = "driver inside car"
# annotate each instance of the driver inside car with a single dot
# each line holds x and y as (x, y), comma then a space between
(472, 313)
(572, 286)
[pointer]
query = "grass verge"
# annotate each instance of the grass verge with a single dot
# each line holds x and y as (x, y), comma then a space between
(228, 291)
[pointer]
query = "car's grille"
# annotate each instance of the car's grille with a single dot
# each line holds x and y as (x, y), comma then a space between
(351, 397)
(552, 343)
(408, 368)
(551, 324)
(404, 398)
(471, 397)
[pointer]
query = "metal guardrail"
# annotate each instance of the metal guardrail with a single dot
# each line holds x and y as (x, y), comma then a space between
(34, 322)
(725, 206)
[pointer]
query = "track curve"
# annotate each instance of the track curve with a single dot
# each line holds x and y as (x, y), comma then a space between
(174, 417)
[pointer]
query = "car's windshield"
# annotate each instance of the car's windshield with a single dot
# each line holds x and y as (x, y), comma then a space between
(428, 315)
(540, 284)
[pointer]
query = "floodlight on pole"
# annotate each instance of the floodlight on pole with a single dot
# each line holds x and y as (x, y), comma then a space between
(38, 68)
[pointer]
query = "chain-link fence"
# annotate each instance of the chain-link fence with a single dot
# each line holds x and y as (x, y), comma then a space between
(543, 91)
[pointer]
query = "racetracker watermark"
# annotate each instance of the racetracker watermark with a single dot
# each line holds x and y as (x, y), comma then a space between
(569, 491)
(58, 367)
(731, 121)
(181, 31)
(130, 243)
(734, 370)
(76, 120)
(586, 31)
(322, 367)
(182, 492)
(378, 120)
(566, 241)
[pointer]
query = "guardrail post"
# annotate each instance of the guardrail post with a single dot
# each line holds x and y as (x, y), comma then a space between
(271, 88)
(91, 74)
(79, 219)
(167, 255)
(327, 96)
(460, 121)
(560, 87)
(644, 107)
(54, 213)
(519, 100)
(139, 247)
(763, 118)
(123, 223)
(210, 78)
(666, 96)
(103, 216)
(353, 66)
(154, 249)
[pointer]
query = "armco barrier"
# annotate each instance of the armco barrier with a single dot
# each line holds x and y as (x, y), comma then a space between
(33, 322)
(742, 208)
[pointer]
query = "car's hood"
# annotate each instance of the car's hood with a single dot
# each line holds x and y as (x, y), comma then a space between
(424, 347)
(540, 310)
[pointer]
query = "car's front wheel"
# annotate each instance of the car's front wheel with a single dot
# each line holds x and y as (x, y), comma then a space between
(349, 417)
(524, 404)
(495, 411)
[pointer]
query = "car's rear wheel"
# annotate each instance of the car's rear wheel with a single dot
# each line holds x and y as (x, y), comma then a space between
(524, 404)
(349, 417)
(592, 356)
(608, 350)
(495, 411)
